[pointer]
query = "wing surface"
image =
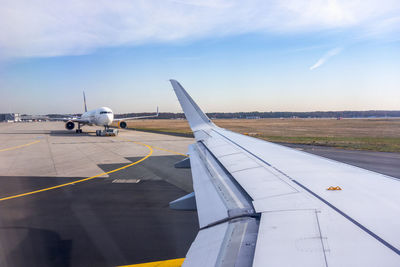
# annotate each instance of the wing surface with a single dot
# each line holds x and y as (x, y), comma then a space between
(65, 119)
(137, 118)
(262, 204)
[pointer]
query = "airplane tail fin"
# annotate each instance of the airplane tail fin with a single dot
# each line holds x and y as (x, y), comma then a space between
(195, 116)
(84, 101)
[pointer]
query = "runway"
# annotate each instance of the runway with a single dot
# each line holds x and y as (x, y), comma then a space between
(71, 199)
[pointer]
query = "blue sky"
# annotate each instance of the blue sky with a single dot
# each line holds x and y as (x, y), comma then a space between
(231, 56)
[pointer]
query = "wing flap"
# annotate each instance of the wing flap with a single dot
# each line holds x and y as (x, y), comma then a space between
(284, 243)
(307, 236)
(210, 206)
(218, 198)
(227, 244)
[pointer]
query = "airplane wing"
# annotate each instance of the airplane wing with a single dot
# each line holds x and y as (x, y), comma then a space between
(137, 118)
(263, 204)
(65, 119)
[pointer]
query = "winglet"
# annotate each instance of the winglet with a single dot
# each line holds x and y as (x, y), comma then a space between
(195, 116)
(84, 101)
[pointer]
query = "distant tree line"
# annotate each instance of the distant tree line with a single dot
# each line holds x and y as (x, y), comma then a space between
(256, 114)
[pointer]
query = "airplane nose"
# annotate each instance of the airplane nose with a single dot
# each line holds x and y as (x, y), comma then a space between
(107, 119)
(110, 118)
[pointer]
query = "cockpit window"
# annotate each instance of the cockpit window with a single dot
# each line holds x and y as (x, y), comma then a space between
(105, 112)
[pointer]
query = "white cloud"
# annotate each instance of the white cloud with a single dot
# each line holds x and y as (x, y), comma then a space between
(54, 28)
(325, 57)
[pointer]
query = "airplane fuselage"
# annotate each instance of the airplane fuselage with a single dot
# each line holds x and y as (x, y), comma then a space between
(101, 117)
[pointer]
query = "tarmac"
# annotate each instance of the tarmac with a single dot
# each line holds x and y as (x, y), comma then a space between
(383, 162)
(70, 199)
(113, 219)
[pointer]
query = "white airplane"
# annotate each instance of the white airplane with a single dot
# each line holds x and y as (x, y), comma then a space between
(263, 204)
(101, 117)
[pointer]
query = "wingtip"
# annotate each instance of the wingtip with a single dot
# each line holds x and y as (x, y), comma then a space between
(193, 113)
(173, 81)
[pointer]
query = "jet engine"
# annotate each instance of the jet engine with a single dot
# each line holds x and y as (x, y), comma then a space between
(122, 124)
(70, 125)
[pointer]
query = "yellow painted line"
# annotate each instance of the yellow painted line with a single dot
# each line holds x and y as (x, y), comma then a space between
(167, 263)
(16, 147)
(171, 151)
(85, 179)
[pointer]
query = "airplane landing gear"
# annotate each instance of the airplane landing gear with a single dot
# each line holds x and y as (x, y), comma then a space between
(79, 130)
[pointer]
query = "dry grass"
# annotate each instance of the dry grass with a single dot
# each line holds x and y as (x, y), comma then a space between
(364, 134)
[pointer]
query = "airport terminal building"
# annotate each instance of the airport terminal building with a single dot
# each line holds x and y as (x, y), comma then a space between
(10, 117)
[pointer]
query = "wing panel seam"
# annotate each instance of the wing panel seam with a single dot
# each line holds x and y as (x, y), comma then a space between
(321, 238)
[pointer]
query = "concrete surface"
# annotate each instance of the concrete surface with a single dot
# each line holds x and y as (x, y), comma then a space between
(382, 162)
(96, 223)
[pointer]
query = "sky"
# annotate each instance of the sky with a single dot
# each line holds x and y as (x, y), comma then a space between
(254, 55)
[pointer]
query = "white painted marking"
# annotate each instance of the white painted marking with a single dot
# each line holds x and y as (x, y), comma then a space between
(126, 181)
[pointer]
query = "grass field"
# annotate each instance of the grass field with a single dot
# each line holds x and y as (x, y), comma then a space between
(362, 134)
